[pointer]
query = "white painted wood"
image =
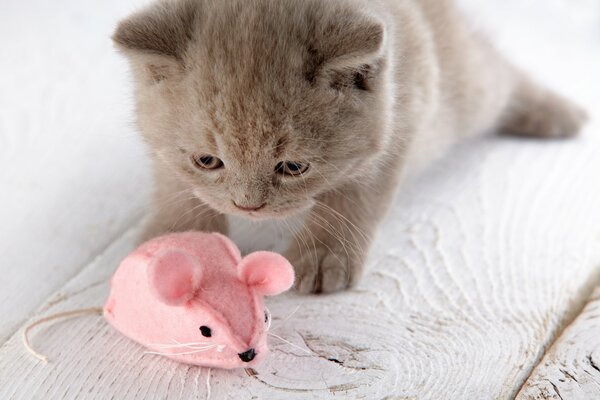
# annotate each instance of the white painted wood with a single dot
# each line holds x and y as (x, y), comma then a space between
(467, 288)
(472, 276)
(72, 171)
(570, 370)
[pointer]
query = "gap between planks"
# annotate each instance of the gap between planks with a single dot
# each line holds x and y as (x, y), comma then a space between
(578, 305)
(137, 222)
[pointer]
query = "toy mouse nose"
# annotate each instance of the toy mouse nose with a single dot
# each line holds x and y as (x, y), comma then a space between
(248, 355)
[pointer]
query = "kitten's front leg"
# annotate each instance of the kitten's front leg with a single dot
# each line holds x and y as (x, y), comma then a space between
(330, 251)
(177, 209)
(188, 215)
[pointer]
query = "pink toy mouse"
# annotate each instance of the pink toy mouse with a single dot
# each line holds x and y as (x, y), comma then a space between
(193, 298)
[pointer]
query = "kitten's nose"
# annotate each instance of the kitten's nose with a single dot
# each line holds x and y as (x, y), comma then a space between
(249, 208)
(248, 355)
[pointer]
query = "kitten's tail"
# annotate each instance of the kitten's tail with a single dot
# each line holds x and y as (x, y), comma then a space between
(536, 111)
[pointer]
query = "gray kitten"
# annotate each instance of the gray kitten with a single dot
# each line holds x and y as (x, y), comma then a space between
(267, 108)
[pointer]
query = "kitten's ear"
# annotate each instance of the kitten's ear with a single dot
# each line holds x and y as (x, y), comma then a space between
(349, 51)
(156, 38)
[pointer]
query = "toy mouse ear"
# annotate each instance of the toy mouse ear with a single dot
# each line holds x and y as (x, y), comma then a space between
(269, 273)
(174, 277)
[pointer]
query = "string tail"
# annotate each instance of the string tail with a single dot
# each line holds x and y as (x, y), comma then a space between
(66, 314)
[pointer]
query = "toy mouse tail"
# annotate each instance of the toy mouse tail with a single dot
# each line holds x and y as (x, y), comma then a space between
(66, 314)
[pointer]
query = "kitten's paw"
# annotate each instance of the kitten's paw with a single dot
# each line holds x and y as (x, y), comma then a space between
(336, 275)
(324, 271)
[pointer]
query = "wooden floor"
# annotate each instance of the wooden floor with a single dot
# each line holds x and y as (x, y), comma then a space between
(482, 283)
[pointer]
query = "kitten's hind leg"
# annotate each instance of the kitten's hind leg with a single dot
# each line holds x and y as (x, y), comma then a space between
(536, 111)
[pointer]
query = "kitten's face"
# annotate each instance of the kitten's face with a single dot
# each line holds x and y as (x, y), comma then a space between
(256, 120)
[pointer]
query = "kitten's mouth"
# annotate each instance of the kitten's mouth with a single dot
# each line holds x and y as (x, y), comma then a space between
(250, 209)
(253, 212)
(257, 213)
(262, 214)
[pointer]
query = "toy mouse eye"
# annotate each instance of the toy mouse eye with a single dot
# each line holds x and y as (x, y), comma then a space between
(205, 330)
(268, 319)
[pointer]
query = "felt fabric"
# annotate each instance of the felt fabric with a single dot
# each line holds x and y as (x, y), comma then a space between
(193, 298)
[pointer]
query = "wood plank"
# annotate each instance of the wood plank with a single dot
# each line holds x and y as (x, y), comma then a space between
(472, 277)
(73, 175)
(467, 287)
(570, 370)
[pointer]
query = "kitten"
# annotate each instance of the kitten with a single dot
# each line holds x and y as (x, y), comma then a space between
(267, 108)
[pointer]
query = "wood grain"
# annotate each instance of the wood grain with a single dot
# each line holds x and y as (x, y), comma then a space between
(571, 368)
(474, 274)
(467, 288)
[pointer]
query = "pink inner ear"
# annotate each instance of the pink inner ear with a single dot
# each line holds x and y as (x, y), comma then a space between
(270, 273)
(174, 277)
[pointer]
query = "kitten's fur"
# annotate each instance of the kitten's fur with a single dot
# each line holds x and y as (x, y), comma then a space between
(363, 90)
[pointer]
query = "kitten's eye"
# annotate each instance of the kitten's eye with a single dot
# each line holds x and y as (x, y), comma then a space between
(360, 81)
(206, 161)
(205, 330)
(291, 168)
